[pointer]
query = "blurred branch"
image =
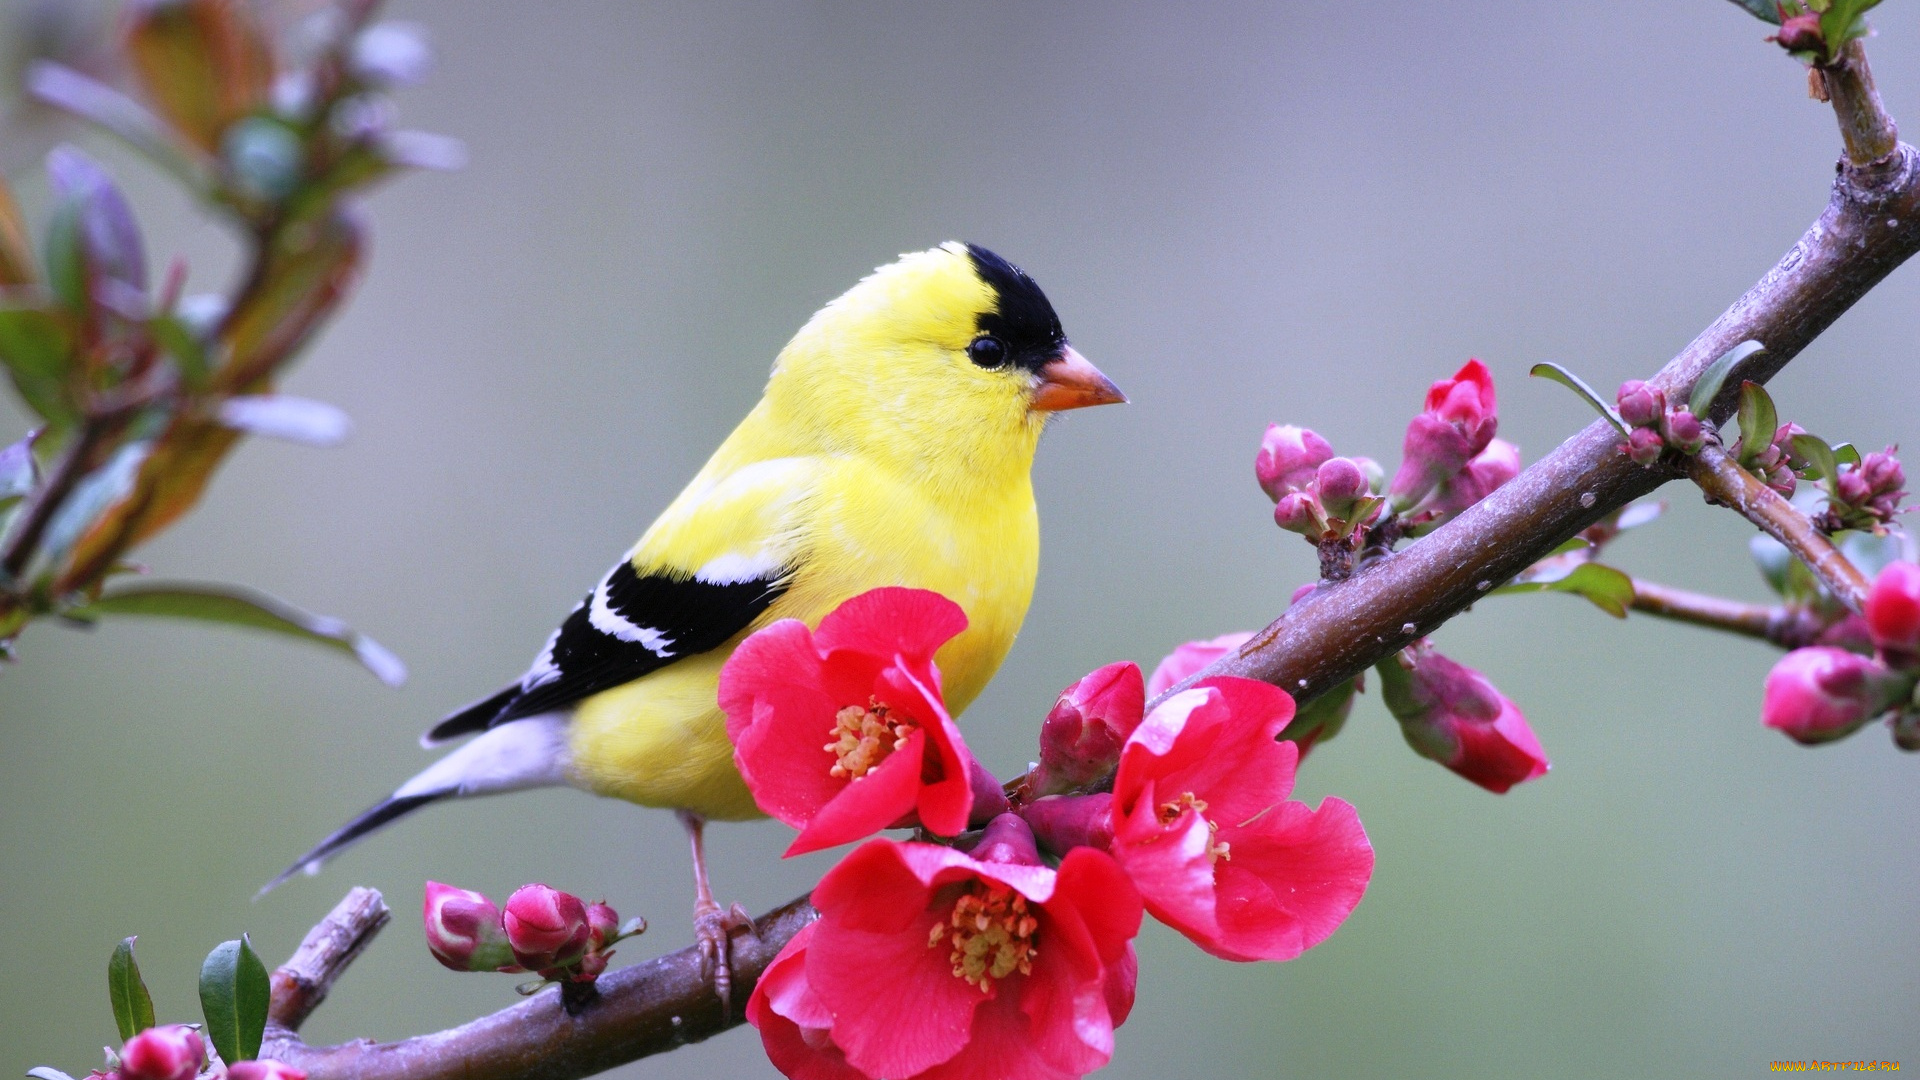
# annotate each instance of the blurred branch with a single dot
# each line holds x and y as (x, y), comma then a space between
(1726, 482)
(1786, 625)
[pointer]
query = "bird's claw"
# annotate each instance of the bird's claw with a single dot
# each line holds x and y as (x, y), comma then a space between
(713, 930)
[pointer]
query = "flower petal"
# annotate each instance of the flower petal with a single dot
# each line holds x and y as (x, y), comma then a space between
(865, 806)
(1292, 878)
(911, 622)
(793, 1022)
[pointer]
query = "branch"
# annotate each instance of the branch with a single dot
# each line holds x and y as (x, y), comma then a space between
(1865, 127)
(1722, 478)
(1786, 625)
(301, 984)
(644, 1009)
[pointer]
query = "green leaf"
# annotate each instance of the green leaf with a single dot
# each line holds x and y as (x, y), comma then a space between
(132, 1005)
(1758, 421)
(234, 993)
(181, 343)
(47, 1072)
(1608, 589)
(37, 348)
(1707, 388)
(1773, 559)
(283, 416)
(91, 498)
(1578, 385)
(1846, 454)
(244, 607)
(1761, 9)
(1844, 21)
(1820, 457)
(1576, 544)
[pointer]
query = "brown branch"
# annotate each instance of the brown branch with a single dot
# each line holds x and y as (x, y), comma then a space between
(1871, 226)
(1789, 626)
(1722, 478)
(1865, 127)
(644, 1009)
(301, 984)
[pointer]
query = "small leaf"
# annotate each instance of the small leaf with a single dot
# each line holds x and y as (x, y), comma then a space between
(244, 607)
(1573, 382)
(1820, 457)
(1758, 421)
(1773, 558)
(1762, 10)
(234, 993)
(204, 63)
(1847, 454)
(91, 498)
(118, 113)
(1844, 21)
(47, 1072)
(132, 1005)
(1871, 553)
(1640, 513)
(173, 334)
(18, 470)
(300, 420)
(1608, 589)
(1573, 545)
(36, 346)
(109, 237)
(1707, 388)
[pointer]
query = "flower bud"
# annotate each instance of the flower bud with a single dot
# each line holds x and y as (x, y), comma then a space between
(1287, 459)
(1893, 611)
(463, 929)
(1801, 34)
(546, 928)
(1682, 431)
(1081, 737)
(1641, 405)
(1342, 484)
(1450, 713)
(1820, 694)
(1644, 446)
(603, 925)
(1459, 421)
(1497, 464)
(173, 1052)
(1061, 823)
(1300, 512)
(264, 1070)
(1007, 839)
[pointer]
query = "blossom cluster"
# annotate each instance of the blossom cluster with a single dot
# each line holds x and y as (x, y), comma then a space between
(1827, 692)
(998, 942)
(178, 1052)
(553, 934)
(1865, 496)
(1654, 426)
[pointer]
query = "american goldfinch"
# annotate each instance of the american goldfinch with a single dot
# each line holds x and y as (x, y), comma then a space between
(893, 446)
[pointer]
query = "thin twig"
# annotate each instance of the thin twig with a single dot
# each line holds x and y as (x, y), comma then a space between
(1870, 134)
(1722, 478)
(301, 984)
(1790, 626)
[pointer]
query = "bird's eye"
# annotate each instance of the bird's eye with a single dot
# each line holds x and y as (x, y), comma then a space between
(987, 351)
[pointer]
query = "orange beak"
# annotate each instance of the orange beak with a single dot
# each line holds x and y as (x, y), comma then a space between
(1069, 382)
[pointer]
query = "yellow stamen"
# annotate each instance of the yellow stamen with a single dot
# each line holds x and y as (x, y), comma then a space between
(1216, 850)
(992, 935)
(863, 737)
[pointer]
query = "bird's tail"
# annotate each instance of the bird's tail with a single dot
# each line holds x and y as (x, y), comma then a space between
(521, 754)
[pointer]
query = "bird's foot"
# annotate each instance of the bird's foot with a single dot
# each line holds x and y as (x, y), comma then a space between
(713, 930)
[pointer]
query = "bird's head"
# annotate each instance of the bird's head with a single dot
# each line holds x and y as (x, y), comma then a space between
(948, 357)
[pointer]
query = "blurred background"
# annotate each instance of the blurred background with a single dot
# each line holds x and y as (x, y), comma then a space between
(1243, 213)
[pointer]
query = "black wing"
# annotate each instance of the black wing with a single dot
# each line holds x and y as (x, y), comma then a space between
(629, 625)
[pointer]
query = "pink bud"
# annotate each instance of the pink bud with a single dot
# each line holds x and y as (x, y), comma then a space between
(1820, 694)
(1683, 432)
(264, 1070)
(1644, 446)
(1450, 713)
(1341, 485)
(173, 1052)
(463, 929)
(1288, 456)
(1801, 34)
(1064, 822)
(603, 924)
(1641, 404)
(1081, 737)
(1497, 464)
(1300, 512)
(546, 928)
(1882, 472)
(1007, 839)
(1190, 658)
(1459, 421)
(1893, 610)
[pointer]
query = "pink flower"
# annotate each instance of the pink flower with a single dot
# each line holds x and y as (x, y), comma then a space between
(172, 1052)
(264, 1070)
(927, 962)
(1288, 459)
(1203, 826)
(464, 930)
(546, 928)
(1453, 715)
(1191, 658)
(1640, 404)
(1081, 737)
(1820, 694)
(1497, 464)
(841, 732)
(1893, 609)
(1460, 419)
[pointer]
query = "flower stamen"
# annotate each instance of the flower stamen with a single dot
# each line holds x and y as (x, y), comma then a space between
(1217, 849)
(991, 932)
(862, 737)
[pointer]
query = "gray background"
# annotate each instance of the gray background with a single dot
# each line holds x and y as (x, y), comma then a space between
(1245, 213)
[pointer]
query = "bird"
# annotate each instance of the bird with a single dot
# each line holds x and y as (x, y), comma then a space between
(893, 445)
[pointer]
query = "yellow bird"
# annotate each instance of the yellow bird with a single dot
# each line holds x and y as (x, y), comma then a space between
(893, 446)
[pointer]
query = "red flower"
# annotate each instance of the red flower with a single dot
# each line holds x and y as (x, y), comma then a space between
(1202, 824)
(546, 928)
(1458, 423)
(1821, 694)
(1081, 737)
(1190, 658)
(1455, 716)
(841, 732)
(928, 962)
(1893, 610)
